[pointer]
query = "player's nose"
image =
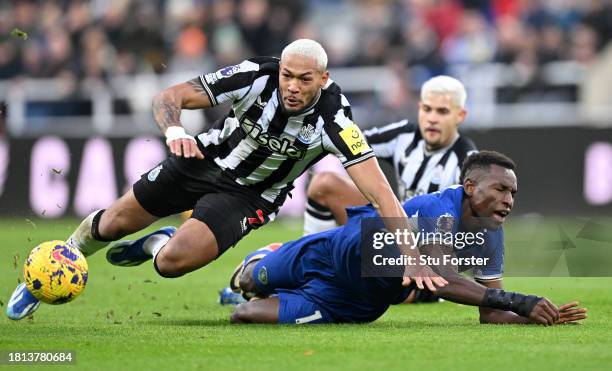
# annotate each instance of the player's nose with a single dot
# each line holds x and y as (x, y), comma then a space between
(508, 200)
(293, 87)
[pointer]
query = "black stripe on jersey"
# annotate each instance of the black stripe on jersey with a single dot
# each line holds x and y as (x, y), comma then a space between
(211, 96)
(462, 147)
(226, 147)
(347, 112)
(409, 149)
(210, 150)
(280, 173)
(419, 173)
(388, 135)
(255, 111)
(261, 154)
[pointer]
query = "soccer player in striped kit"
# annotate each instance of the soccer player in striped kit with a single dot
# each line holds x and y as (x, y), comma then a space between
(426, 157)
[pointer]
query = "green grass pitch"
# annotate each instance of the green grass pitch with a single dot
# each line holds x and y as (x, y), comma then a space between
(132, 318)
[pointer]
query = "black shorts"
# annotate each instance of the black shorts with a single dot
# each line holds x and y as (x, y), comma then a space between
(230, 210)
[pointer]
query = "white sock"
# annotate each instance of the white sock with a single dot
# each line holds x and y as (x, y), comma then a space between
(317, 218)
(154, 244)
(83, 239)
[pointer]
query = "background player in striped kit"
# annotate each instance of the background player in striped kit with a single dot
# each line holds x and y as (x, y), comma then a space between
(426, 157)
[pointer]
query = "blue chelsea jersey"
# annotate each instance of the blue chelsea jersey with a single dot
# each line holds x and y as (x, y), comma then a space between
(440, 212)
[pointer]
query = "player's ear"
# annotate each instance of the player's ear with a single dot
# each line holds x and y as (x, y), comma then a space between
(462, 116)
(324, 78)
(468, 187)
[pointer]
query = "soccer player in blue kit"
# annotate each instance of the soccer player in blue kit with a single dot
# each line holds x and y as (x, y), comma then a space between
(319, 278)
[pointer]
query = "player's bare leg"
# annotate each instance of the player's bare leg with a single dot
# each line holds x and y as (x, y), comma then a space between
(329, 193)
(192, 247)
(123, 217)
(257, 311)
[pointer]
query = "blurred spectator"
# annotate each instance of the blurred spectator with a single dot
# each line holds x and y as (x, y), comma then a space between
(101, 38)
(79, 40)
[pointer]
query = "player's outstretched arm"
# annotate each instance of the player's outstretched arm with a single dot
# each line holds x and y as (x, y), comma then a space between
(167, 106)
(568, 313)
(370, 180)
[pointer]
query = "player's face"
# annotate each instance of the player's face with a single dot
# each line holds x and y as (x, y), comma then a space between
(492, 195)
(439, 118)
(300, 82)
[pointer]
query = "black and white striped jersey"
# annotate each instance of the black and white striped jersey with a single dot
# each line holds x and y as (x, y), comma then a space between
(417, 170)
(262, 147)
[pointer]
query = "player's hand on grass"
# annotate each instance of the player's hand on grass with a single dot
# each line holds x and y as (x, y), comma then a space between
(544, 313)
(423, 276)
(182, 144)
(571, 313)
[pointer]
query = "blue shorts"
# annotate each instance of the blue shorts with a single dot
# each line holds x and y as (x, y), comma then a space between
(307, 281)
(293, 264)
(295, 308)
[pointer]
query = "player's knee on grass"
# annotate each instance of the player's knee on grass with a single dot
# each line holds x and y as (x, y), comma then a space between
(241, 314)
(323, 186)
(256, 311)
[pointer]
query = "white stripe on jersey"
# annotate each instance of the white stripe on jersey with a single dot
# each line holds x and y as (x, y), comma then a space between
(247, 101)
(272, 193)
(217, 136)
(392, 146)
(269, 111)
(443, 176)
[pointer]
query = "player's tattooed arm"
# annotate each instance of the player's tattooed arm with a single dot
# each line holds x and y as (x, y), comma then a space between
(166, 110)
(168, 103)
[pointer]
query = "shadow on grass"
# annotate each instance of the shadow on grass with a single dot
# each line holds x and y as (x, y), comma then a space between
(189, 322)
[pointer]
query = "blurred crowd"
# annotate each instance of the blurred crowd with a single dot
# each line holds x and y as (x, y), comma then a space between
(74, 39)
(101, 38)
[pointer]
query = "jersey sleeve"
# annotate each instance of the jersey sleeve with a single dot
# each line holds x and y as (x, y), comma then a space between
(230, 83)
(493, 270)
(343, 138)
(383, 139)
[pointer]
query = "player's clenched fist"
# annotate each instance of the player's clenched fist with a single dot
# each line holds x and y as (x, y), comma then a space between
(182, 144)
(544, 313)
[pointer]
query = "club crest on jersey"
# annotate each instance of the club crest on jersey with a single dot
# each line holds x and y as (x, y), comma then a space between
(262, 275)
(306, 134)
(444, 223)
(154, 173)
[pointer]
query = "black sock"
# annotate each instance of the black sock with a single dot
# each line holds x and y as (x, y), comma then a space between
(95, 232)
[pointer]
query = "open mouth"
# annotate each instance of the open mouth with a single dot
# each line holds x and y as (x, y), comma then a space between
(292, 102)
(500, 215)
